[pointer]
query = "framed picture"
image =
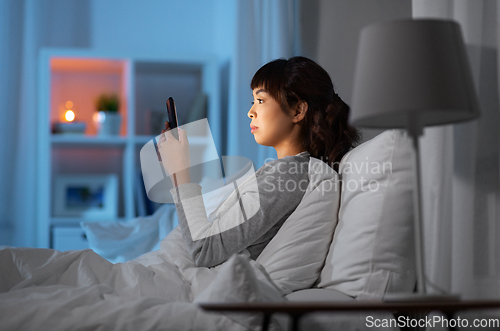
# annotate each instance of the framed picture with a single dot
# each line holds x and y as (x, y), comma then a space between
(86, 196)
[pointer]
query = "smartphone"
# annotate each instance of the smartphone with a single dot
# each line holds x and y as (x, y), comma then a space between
(172, 120)
(172, 117)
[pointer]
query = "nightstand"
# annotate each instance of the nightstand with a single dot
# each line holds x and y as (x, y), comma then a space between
(297, 309)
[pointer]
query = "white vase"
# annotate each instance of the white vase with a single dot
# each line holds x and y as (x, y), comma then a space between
(108, 123)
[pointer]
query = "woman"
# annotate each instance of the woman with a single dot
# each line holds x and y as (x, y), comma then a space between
(296, 111)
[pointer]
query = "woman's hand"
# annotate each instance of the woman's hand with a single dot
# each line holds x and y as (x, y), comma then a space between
(175, 155)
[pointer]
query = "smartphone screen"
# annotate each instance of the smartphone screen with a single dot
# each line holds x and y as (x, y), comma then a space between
(172, 120)
(172, 117)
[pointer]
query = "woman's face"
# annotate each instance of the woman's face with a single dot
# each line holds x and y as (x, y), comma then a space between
(270, 125)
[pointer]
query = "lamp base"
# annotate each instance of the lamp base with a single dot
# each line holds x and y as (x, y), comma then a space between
(421, 297)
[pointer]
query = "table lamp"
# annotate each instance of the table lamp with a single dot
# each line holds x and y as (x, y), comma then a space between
(411, 74)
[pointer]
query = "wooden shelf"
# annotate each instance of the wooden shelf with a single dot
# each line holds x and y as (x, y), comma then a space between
(75, 221)
(193, 141)
(68, 139)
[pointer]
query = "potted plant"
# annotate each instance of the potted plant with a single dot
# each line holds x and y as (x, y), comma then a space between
(108, 119)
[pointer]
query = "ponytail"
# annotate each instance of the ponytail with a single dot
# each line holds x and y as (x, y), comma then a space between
(327, 134)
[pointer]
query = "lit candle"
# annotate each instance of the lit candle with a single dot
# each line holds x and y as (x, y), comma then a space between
(68, 124)
(69, 115)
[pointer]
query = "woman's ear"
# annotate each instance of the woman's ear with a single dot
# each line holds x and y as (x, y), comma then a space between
(300, 111)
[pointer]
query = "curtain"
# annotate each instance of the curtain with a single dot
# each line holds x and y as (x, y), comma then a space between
(25, 143)
(27, 26)
(266, 30)
(11, 14)
(460, 165)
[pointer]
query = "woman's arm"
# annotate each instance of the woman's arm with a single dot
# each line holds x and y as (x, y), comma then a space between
(249, 218)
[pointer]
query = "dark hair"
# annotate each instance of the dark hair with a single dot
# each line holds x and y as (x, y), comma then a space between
(326, 133)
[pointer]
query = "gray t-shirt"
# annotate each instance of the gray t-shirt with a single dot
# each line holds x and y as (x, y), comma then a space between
(249, 218)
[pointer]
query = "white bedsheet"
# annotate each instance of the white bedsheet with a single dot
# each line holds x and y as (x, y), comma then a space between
(42, 289)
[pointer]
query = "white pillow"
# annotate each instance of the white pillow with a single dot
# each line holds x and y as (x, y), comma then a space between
(295, 256)
(124, 241)
(372, 249)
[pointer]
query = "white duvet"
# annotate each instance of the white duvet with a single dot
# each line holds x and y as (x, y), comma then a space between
(43, 289)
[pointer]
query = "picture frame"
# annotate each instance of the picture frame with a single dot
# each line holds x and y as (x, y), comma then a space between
(86, 196)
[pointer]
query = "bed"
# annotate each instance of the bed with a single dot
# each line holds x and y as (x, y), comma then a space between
(354, 247)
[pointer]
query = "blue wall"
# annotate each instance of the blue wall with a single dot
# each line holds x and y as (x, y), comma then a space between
(153, 26)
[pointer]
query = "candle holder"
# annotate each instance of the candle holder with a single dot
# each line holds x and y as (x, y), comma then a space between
(77, 128)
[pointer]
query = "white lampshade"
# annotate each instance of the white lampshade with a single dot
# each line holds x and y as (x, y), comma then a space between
(412, 70)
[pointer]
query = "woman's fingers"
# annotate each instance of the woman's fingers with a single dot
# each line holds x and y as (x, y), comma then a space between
(182, 136)
(162, 138)
(168, 135)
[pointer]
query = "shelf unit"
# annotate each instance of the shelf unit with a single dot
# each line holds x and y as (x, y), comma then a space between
(143, 83)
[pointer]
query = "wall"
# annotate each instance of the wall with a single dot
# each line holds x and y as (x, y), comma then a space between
(330, 34)
(153, 26)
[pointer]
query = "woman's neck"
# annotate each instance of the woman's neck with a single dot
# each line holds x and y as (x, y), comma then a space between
(293, 145)
(288, 151)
